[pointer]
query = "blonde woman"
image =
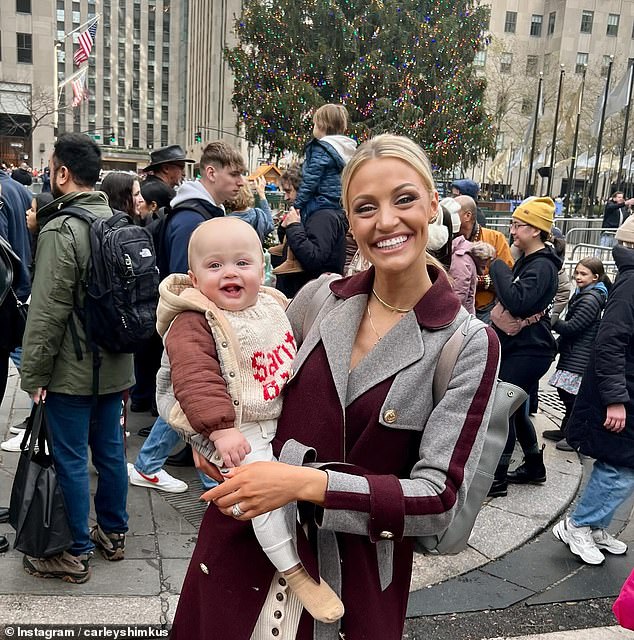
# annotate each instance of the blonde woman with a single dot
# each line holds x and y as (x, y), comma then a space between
(391, 465)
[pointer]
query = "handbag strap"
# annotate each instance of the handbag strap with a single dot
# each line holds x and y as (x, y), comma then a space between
(36, 430)
(447, 360)
(317, 302)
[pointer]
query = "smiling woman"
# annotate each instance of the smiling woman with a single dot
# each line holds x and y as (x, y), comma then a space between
(386, 463)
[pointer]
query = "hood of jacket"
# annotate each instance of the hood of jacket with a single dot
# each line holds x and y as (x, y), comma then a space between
(343, 145)
(623, 257)
(95, 201)
(547, 252)
(599, 289)
(460, 245)
(192, 190)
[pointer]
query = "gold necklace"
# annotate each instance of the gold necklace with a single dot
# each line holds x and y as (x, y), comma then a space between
(389, 306)
(376, 333)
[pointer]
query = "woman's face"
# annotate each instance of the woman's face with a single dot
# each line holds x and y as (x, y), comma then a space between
(146, 208)
(137, 198)
(31, 220)
(389, 208)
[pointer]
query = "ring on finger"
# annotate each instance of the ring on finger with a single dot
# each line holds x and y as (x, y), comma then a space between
(236, 512)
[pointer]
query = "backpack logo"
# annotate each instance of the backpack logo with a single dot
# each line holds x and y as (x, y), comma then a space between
(145, 253)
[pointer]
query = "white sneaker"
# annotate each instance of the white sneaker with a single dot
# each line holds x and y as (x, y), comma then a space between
(608, 543)
(12, 444)
(579, 541)
(159, 480)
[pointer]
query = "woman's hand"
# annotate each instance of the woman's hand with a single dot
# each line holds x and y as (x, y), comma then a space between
(292, 217)
(615, 418)
(260, 487)
(260, 187)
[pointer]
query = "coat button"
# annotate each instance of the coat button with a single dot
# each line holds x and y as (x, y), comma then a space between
(203, 568)
(386, 535)
(279, 597)
(236, 402)
(232, 374)
(282, 582)
(277, 614)
(224, 344)
(275, 632)
(390, 416)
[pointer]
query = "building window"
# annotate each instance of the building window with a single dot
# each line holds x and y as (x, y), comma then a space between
(506, 60)
(605, 66)
(552, 17)
(25, 47)
(531, 65)
(510, 22)
(587, 17)
(536, 24)
(582, 62)
(613, 24)
(527, 106)
(164, 135)
(23, 6)
(480, 58)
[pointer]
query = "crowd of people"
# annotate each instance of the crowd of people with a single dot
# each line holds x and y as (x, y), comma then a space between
(309, 509)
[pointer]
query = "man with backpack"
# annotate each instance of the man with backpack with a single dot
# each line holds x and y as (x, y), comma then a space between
(221, 168)
(53, 371)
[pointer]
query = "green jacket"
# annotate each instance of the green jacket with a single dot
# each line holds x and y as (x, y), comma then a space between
(49, 359)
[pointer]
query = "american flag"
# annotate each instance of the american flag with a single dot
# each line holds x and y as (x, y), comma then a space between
(86, 40)
(79, 88)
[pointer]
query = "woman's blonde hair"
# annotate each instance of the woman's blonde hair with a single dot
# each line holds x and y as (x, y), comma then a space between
(388, 145)
(332, 119)
(244, 199)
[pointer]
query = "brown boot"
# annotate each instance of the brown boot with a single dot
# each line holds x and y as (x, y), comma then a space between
(277, 250)
(290, 265)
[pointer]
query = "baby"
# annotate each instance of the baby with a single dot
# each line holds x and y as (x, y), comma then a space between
(228, 354)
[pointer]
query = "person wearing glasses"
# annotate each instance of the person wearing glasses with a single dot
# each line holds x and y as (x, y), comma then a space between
(522, 321)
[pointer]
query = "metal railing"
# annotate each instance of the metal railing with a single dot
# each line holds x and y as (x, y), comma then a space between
(584, 250)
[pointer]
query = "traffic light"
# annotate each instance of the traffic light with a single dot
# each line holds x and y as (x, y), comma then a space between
(199, 136)
(113, 138)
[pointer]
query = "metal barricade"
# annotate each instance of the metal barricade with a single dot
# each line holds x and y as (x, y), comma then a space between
(583, 250)
(587, 235)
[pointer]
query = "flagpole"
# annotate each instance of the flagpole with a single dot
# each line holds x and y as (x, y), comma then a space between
(56, 86)
(597, 155)
(508, 172)
(554, 140)
(575, 142)
(619, 181)
(529, 186)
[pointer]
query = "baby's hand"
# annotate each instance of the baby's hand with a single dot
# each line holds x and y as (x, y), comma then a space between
(231, 446)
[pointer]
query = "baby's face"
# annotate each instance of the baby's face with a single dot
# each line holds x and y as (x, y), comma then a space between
(228, 271)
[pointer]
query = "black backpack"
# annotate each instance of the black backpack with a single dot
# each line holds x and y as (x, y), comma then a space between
(121, 286)
(158, 227)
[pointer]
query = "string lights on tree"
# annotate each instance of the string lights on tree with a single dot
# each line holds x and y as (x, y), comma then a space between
(398, 66)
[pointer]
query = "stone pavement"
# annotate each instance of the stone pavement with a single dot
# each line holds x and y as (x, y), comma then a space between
(508, 559)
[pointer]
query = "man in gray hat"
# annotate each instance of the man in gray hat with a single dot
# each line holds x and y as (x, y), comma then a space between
(168, 164)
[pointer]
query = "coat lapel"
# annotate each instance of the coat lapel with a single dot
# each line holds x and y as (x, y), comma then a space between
(388, 357)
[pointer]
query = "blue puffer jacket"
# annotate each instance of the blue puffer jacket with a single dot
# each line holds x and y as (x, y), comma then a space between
(321, 174)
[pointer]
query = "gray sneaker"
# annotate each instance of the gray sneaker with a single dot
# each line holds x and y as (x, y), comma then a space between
(111, 545)
(64, 566)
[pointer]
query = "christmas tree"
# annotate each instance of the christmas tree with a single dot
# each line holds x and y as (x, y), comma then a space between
(398, 66)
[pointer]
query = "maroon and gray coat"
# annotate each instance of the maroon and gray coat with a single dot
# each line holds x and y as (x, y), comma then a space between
(397, 466)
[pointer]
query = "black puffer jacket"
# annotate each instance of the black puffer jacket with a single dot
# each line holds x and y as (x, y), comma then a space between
(609, 377)
(579, 330)
(527, 289)
(320, 246)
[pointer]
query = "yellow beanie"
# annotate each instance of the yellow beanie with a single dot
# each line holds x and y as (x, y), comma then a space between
(538, 212)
